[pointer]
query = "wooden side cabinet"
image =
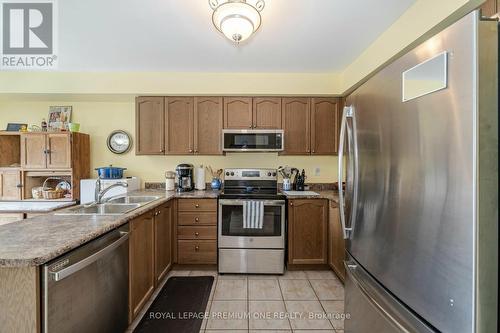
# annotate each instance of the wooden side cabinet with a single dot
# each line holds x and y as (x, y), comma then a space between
(141, 263)
(10, 184)
(163, 229)
(336, 242)
(307, 231)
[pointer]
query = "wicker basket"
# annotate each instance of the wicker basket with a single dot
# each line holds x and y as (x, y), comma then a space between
(52, 193)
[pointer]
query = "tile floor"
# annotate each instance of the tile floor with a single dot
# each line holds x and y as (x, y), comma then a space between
(298, 301)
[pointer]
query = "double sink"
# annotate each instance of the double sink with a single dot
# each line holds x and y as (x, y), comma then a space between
(114, 206)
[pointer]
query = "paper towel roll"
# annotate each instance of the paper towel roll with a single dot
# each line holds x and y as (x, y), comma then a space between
(200, 178)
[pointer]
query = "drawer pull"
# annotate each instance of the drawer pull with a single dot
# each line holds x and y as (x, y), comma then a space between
(196, 234)
(197, 248)
(197, 219)
(197, 206)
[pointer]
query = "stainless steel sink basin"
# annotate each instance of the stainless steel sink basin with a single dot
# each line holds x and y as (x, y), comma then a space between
(100, 209)
(133, 199)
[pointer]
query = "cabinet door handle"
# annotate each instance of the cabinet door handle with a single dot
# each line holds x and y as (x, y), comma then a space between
(196, 151)
(314, 151)
(197, 219)
(190, 150)
(196, 234)
(197, 248)
(291, 203)
(19, 185)
(159, 212)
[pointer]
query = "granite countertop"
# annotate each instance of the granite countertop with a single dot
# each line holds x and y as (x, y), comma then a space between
(37, 240)
(33, 206)
(330, 195)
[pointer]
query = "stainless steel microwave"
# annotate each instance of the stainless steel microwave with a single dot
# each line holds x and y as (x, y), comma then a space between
(253, 140)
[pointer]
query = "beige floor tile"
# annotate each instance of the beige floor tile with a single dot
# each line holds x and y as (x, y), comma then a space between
(264, 290)
(231, 290)
(335, 312)
(315, 331)
(268, 315)
(321, 275)
(328, 289)
(204, 273)
(228, 315)
(271, 331)
(263, 277)
(178, 273)
(307, 315)
(232, 277)
(297, 290)
(293, 275)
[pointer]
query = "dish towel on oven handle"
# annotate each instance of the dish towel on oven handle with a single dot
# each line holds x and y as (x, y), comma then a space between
(253, 214)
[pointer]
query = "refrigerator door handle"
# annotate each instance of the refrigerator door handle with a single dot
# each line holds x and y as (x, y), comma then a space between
(353, 142)
(353, 150)
(343, 125)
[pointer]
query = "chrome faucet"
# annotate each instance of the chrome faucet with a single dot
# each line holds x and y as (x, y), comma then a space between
(100, 193)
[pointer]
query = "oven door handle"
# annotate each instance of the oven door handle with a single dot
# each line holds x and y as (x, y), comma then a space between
(235, 202)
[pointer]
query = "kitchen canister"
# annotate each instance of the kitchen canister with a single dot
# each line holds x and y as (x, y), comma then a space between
(169, 181)
(287, 184)
(200, 178)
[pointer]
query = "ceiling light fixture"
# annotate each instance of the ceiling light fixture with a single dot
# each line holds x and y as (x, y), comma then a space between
(236, 19)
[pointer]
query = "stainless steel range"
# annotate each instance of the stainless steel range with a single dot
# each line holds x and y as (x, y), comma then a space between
(251, 223)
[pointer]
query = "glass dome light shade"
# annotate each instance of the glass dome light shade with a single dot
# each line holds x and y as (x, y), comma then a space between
(236, 20)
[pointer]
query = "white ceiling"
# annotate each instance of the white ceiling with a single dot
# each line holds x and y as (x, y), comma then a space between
(178, 35)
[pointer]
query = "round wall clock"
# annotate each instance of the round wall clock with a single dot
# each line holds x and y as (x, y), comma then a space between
(119, 142)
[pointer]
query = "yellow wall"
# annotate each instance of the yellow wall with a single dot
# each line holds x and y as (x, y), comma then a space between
(100, 118)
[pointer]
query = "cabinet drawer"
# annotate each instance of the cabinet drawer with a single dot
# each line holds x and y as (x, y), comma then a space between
(193, 218)
(197, 252)
(190, 205)
(190, 232)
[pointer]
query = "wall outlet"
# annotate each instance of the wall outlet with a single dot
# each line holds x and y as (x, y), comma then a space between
(317, 171)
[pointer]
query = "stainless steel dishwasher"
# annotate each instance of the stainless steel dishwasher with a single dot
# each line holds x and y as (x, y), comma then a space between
(86, 290)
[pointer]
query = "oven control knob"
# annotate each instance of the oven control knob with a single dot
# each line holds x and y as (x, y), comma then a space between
(227, 173)
(232, 173)
(274, 174)
(269, 174)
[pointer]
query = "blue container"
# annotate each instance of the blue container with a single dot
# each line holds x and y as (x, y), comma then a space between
(110, 172)
(216, 184)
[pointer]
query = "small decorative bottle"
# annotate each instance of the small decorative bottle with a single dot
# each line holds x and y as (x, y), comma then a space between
(44, 125)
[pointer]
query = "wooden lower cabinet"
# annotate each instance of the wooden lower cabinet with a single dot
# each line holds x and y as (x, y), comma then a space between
(196, 231)
(10, 184)
(336, 242)
(141, 263)
(307, 231)
(163, 229)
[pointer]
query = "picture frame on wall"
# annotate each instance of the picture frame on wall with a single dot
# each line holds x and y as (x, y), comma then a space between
(59, 117)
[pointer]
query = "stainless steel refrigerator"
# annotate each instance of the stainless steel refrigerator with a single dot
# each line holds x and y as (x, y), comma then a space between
(420, 209)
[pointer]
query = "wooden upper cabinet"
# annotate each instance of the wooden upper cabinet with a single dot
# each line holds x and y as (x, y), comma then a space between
(296, 125)
(238, 112)
(149, 122)
(267, 113)
(33, 151)
(324, 123)
(307, 231)
(490, 8)
(163, 229)
(141, 263)
(179, 118)
(58, 151)
(208, 122)
(10, 184)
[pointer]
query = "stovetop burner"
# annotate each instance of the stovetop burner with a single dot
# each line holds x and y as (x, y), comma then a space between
(251, 184)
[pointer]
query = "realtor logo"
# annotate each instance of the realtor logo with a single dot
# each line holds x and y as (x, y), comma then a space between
(28, 34)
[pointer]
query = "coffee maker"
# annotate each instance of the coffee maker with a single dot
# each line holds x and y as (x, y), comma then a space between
(185, 177)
